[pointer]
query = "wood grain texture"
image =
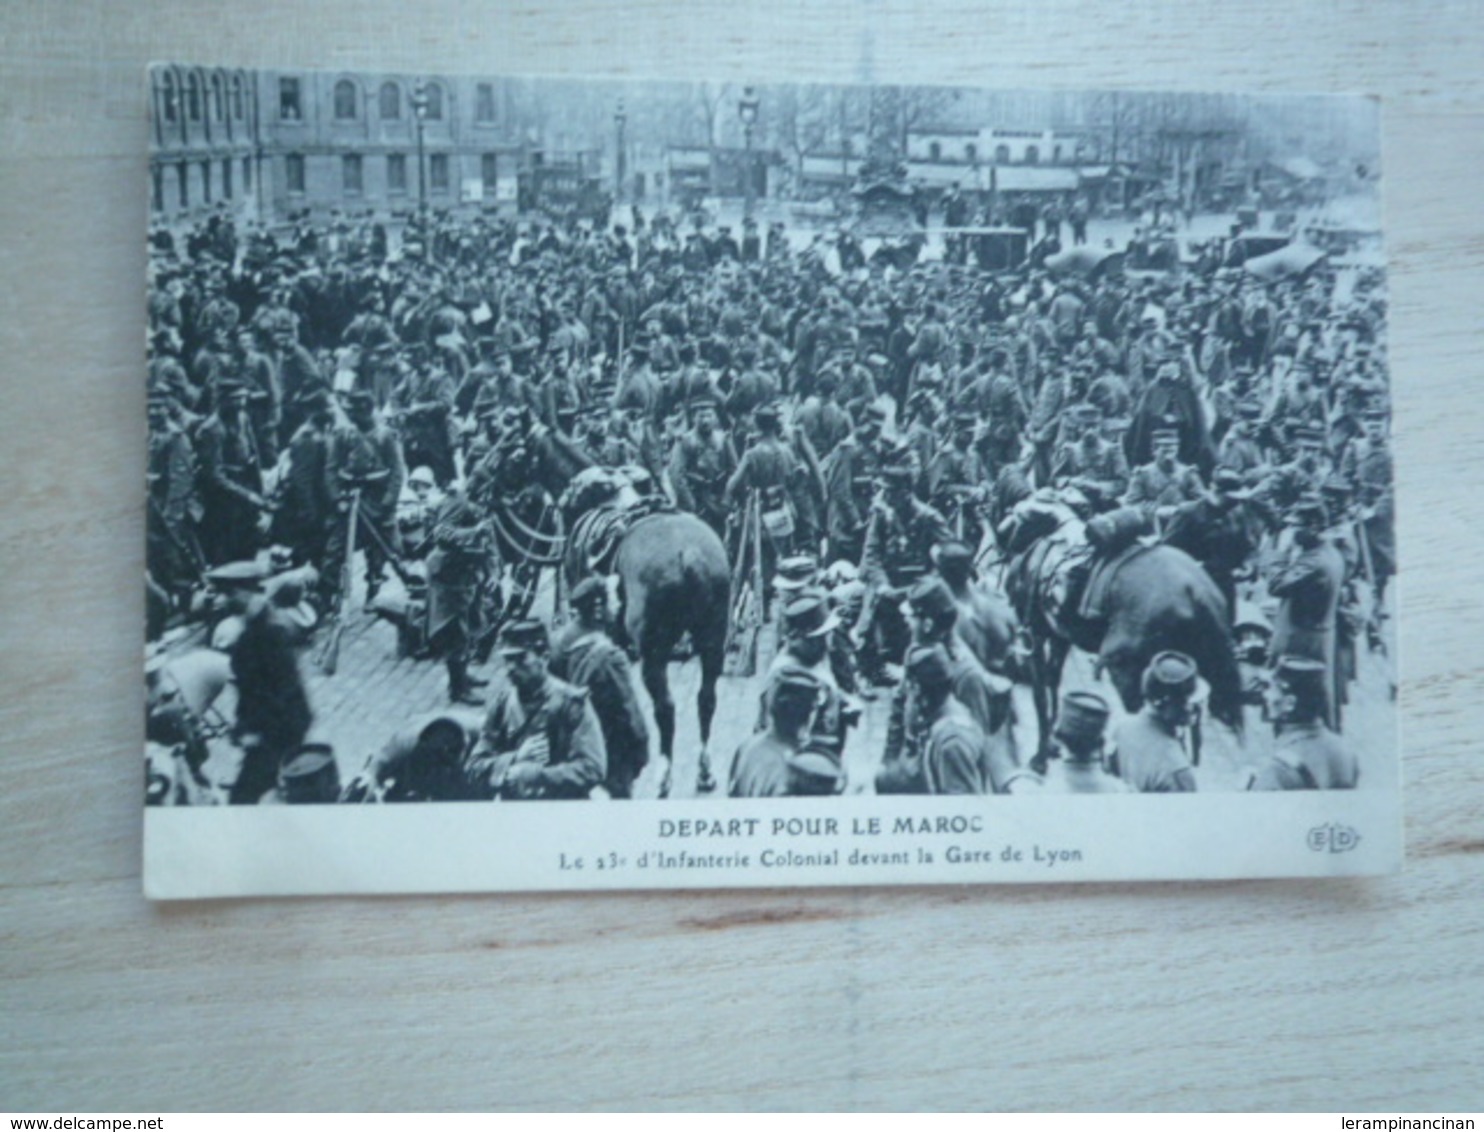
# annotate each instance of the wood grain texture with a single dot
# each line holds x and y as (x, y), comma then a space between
(1246, 995)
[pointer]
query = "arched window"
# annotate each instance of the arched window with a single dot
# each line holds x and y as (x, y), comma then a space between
(170, 96)
(391, 100)
(345, 100)
(218, 99)
(1032, 155)
(193, 97)
(237, 106)
(971, 153)
(935, 151)
(1002, 154)
(435, 102)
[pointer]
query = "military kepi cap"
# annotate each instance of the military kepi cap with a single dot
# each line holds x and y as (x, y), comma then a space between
(1169, 674)
(237, 575)
(523, 636)
(1082, 718)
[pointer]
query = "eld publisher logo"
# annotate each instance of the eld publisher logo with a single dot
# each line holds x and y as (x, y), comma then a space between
(1334, 837)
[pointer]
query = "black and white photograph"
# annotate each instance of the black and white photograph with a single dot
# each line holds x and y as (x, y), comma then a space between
(776, 471)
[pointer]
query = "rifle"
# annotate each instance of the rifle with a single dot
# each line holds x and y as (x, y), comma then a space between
(329, 657)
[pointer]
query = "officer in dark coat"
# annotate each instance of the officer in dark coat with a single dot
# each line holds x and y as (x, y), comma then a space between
(363, 455)
(306, 508)
(231, 477)
(1308, 755)
(456, 567)
(585, 656)
(1221, 531)
(701, 466)
(1308, 588)
(541, 738)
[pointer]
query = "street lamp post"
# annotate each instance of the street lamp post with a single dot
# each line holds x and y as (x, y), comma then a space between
(419, 114)
(620, 154)
(747, 111)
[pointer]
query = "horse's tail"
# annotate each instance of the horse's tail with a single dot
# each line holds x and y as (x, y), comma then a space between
(1216, 657)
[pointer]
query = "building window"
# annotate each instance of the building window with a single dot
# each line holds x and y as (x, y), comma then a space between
(293, 172)
(489, 172)
(971, 153)
(438, 172)
(226, 178)
(1032, 154)
(289, 107)
(1002, 154)
(170, 95)
(237, 96)
(435, 102)
(183, 183)
(247, 174)
(1055, 153)
(935, 151)
(350, 173)
(391, 100)
(345, 100)
(396, 172)
(193, 97)
(206, 181)
(157, 189)
(484, 102)
(218, 99)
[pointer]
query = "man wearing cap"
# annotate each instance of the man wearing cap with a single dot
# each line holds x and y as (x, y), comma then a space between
(363, 455)
(1367, 466)
(422, 405)
(306, 508)
(998, 401)
(1308, 755)
(1094, 466)
(985, 696)
(273, 712)
(702, 465)
(585, 656)
(1171, 403)
(231, 477)
(1221, 531)
(760, 768)
(986, 620)
(849, 479)
(956, 479)
(813, 773)
(1240, 450)
(822, 416)
(1302, 475)
(310, 777)
(808, 623)
(173, 558)
(456, 566)
(1162, 485)
(955, 758)
(1077, 740)
(768, 470)
(1307, 585)
(541, 738)
(1151, 746)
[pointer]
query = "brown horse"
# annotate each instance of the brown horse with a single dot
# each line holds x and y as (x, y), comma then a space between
(673, 579)
(1157, 598)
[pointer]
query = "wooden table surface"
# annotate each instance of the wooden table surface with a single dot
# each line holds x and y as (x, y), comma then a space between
(1340, 995)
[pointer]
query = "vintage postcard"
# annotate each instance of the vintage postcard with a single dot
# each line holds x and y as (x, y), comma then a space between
(571, 485)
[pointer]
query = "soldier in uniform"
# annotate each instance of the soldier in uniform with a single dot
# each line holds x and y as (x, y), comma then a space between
(986, 620)
(808, 624)
(953, 748)
(986, 697)
(849, 477)
(760, 767)
(1092, 465)
(1151, 746)
(232, 478)
(306, 508)
(455, 571)
(1161, 486)
(1367, 466)
(1077, 740)
(702, 466)
(585, 656)
(364, 455)
(423, 406)
(900, 535)
(172, 556)
(768, 469)
(1240, 450)
(1308, 754)
(956, 480)
(1221, 531)
(1308, 586)
(541, 738)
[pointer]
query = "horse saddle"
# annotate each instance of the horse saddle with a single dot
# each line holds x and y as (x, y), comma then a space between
(597, 535)
(1100, 571)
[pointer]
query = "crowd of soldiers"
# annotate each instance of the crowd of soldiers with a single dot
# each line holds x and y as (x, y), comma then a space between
(314, 391)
